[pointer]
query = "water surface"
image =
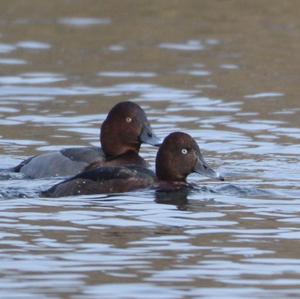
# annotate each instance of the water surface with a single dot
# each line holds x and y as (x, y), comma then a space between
(224, 72)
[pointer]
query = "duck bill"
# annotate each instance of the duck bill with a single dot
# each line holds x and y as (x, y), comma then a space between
(202, 168)
(147, 136)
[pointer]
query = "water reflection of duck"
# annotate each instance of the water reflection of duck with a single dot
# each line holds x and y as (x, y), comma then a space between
(177, 198)
(124, 130)
(177, 157)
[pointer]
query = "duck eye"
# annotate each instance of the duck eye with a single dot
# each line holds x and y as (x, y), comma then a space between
(128, 119)
(184, 151)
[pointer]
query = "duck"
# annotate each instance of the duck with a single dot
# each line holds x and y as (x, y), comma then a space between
(178, 156)
(123, 131)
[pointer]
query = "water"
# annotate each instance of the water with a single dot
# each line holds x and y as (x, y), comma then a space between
(224, 72)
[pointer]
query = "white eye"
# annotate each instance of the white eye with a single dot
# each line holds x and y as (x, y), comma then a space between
(128, 119)
(184, 151)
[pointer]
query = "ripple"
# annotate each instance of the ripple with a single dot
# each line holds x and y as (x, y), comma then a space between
(54, 119)
(254, 125)
(8, 110)
(32, 78)
(84, 22)
(284, 111)
(12, 61)
(289, 132)
(265, 95)
(190, 45)
(7, 48)
(197, 73)
(21, 141)
(39, 92)
(127, 74)
(117, 48)
(132, 290)
(229, 66)
(33, 45)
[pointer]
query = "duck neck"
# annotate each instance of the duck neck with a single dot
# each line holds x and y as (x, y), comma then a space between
(166, 171)
(128, 158)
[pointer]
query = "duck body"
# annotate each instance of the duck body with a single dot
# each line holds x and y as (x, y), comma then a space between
(124, 130)
(177, 157)
(104, 180)
(60, 163)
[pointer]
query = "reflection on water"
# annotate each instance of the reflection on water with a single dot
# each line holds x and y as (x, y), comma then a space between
(219, 72)
(191, 45)
(83, 22)
(33, 45)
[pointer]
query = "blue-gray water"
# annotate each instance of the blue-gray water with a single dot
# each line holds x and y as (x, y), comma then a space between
(223, 71)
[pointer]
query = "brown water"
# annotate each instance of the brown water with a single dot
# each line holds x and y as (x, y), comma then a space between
(227, 72)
